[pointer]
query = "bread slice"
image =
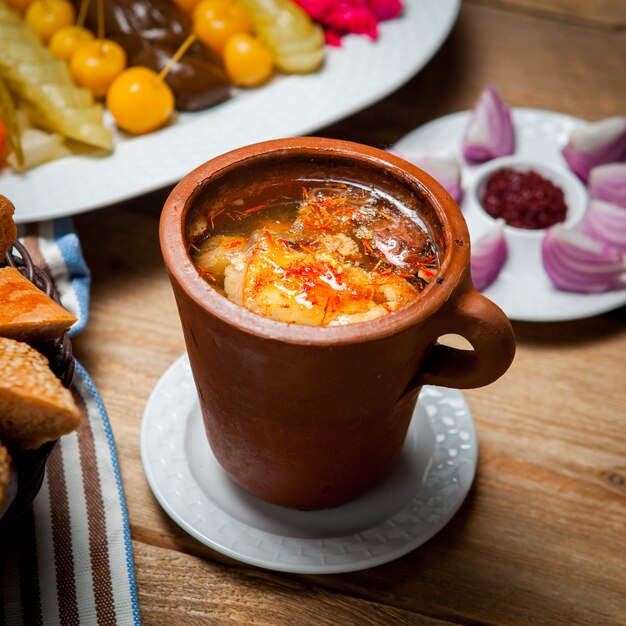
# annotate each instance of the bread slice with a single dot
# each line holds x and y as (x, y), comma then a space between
(8, 480)
(8, 230)
(26, 312)
(34, 406)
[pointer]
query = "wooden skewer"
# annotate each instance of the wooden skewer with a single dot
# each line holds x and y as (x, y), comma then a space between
(82, 13)
(176, 56)
(100, 19)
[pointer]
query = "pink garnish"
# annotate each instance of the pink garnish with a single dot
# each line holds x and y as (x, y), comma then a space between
(340, 17)
(332, 38)
(596, 143)
(317, 9)
(385, 9)
(442, 166)
(488, 256)
(489, 133)
(608, 183)
(606, 222)
(575, 262)
(349, 16)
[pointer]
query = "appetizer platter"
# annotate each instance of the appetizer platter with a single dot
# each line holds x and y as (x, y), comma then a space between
(350, 77)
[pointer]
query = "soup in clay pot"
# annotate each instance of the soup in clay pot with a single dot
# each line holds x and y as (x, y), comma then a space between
(315, 252)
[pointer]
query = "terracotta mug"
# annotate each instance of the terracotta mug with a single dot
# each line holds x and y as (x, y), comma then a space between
(312, 417)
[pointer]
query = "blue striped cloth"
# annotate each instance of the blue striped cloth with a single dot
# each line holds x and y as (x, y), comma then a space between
(65, 237)
(71, 561)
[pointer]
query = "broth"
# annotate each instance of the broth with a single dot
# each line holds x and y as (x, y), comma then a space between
(314, 252)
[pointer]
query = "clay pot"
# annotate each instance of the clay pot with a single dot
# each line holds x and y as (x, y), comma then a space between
(312, 417)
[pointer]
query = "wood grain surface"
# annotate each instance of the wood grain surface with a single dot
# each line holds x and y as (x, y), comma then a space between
(541, 539)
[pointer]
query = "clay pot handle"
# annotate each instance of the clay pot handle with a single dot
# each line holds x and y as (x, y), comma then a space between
(488, 330)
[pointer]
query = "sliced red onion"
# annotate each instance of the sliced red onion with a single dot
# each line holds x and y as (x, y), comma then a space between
(608, 183)
(490, 131)
(606, 222)
(488, 256)
(575, 262)
(596, 143)
(443, 166)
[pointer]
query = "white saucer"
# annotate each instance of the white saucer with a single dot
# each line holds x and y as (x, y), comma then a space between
(424, 491)
(523, 289)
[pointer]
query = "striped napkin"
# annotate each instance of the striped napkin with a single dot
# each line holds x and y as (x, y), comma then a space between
(70, 560)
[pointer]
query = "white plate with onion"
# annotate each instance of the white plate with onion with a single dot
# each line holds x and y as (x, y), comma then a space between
(353, 76)
(523, 289)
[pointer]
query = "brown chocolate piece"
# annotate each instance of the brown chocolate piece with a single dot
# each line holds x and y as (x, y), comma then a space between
(150, 31)
(197, 83)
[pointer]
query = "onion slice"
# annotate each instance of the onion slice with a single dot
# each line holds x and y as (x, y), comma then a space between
(443, 166)
(488, 256)
(575, 262)
(489, 133)
(596, 143)
(608, 183)
(606, 222)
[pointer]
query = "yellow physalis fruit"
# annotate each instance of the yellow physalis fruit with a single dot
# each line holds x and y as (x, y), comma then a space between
(67, 40)
(45, 17)
(140, 101)
(214, 21)
(19, 5)
(95, 65)
(248, 62)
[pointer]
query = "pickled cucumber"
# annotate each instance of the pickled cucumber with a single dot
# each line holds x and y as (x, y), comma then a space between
(9, 117)
(41, 85)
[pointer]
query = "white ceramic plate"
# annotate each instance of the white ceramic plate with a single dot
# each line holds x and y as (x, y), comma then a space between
(354, 76)
(425, 489)
(523, 289)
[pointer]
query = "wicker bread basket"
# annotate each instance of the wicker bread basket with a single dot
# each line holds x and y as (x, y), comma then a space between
(31, 464)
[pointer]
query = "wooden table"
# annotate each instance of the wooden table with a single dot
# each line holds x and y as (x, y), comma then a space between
(541, 539)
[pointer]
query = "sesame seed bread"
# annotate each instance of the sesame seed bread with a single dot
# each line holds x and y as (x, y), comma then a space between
(8, 480)
(34, 406)
(26, 312)
(8, 230)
